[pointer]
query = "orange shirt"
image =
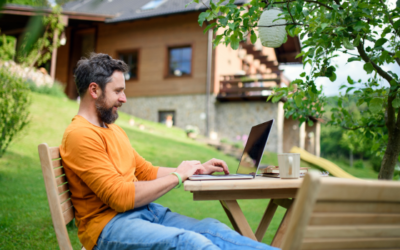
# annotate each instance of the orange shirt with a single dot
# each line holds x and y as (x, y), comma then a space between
(101, 166)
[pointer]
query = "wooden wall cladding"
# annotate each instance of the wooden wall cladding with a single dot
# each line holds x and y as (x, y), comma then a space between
(151, 37)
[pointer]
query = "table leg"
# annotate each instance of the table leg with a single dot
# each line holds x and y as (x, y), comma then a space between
(277, 241)
(237, 218)
(266, 220)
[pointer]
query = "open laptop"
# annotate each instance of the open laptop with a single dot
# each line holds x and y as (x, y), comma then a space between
(251, 157)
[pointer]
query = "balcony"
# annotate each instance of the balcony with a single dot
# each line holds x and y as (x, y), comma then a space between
(245, 88)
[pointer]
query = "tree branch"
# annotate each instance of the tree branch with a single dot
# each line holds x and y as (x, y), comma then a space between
(308, 1)
(269, 26)
(387, 12)
(378, 69)
(288, 7)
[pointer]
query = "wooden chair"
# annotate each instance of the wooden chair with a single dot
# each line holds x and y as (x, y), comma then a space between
(333, 213)
(58, 195)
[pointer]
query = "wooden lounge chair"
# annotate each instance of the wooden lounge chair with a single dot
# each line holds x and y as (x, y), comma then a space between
(58, 195)
(333, 213)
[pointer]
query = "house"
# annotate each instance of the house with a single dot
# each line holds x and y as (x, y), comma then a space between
(174, 74)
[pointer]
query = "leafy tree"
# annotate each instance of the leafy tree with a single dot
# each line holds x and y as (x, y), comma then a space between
(7, 47)
(14, 107)
(368, 30)
(35, 3)
(42, 37)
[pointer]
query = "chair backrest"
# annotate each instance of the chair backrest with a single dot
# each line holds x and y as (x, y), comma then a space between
(334, 213)
(58, 195)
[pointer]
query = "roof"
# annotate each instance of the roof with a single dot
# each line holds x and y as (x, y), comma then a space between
(127, 10)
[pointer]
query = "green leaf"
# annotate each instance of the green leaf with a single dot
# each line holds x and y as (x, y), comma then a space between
(234, 41)
(380, 42)
(323, 26)
(396, 24)
(397, 55)
(310, 123)
(209, 27)
(223, 21)
(396, 103)
(349, 80)
(398, 3)
(375, 105)
(352, 59)
(368, 68)
(253, 37)
(347, 44)
(332, 77)
(303, 74)
(202, 17)
(298, 99)
(356, 41)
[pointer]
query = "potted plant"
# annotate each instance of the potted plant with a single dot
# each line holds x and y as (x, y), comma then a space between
(192, 131)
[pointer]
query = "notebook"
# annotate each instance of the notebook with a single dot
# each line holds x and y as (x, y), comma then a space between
(251, 157)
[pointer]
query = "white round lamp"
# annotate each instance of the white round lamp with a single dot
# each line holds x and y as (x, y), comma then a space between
(272, 37)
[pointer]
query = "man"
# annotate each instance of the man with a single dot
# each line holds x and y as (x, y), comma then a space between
(112, 186)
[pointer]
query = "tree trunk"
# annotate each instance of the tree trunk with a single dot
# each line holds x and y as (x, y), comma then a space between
(390, 158)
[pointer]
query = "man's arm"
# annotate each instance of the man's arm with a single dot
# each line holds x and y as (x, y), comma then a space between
(148, 191)
(163, 171)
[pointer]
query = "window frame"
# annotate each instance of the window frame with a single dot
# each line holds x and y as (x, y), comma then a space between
(177, 46)
(127, 51)
(167, 111)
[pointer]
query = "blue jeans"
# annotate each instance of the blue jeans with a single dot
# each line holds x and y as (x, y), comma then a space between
(156, 227)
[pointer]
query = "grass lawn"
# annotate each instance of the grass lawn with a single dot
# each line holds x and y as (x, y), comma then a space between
(25, 221)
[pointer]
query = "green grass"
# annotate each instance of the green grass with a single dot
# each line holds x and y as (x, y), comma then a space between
(25, 221)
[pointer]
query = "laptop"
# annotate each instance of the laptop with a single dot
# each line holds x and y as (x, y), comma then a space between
(251, 157)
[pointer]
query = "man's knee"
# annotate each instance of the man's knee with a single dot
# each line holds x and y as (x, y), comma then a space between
(193, 240)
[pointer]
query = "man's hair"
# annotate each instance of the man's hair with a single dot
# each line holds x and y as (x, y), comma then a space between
(97, 68)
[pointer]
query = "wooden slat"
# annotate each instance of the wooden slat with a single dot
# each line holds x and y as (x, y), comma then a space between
(244, 194)
(62, 189)
(282, 230)
(357, 207)
(54, 153)
(57, 163)
(61, 180)
(58, 172)
(350, 243)
(266, 220)
(68, 215)
(65, 196)
(359, 190)
(353, 218)
(362, 231)
(286, 203)
(46, 154)
(66, 205)
(239, 218)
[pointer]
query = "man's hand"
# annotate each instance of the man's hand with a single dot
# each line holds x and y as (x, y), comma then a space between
(189, 168)
(215, 165)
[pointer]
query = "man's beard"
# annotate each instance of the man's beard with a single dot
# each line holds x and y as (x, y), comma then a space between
(104, 113)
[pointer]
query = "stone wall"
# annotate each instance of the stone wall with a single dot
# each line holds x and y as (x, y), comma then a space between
(189, 109)
(235, 119)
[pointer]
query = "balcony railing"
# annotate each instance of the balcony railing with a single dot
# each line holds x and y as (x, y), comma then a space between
(245, 87)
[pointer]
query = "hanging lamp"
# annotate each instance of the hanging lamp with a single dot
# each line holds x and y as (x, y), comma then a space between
(272, 37)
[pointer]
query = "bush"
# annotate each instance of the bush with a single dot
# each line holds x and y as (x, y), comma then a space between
(376, 163)
(359, 164)
(14, 108)
(56, 90)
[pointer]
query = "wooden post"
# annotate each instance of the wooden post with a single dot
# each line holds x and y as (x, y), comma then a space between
(54, 56)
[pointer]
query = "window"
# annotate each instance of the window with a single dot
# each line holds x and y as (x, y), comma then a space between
(152, 5)
(131, 59)
(167, 118)
(180, 61)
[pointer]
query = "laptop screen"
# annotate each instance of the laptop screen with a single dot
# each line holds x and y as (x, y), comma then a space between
(254, 148)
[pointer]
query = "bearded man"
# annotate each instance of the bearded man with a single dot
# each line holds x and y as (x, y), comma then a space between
(112, 186)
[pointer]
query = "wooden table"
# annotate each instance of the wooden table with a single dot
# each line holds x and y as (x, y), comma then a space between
(280, 191)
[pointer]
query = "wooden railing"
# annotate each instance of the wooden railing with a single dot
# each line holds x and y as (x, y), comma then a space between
(241, 88)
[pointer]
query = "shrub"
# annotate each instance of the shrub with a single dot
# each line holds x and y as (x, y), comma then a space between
(376, 163)
(56, 90)
(359, 164)
(14, 107)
